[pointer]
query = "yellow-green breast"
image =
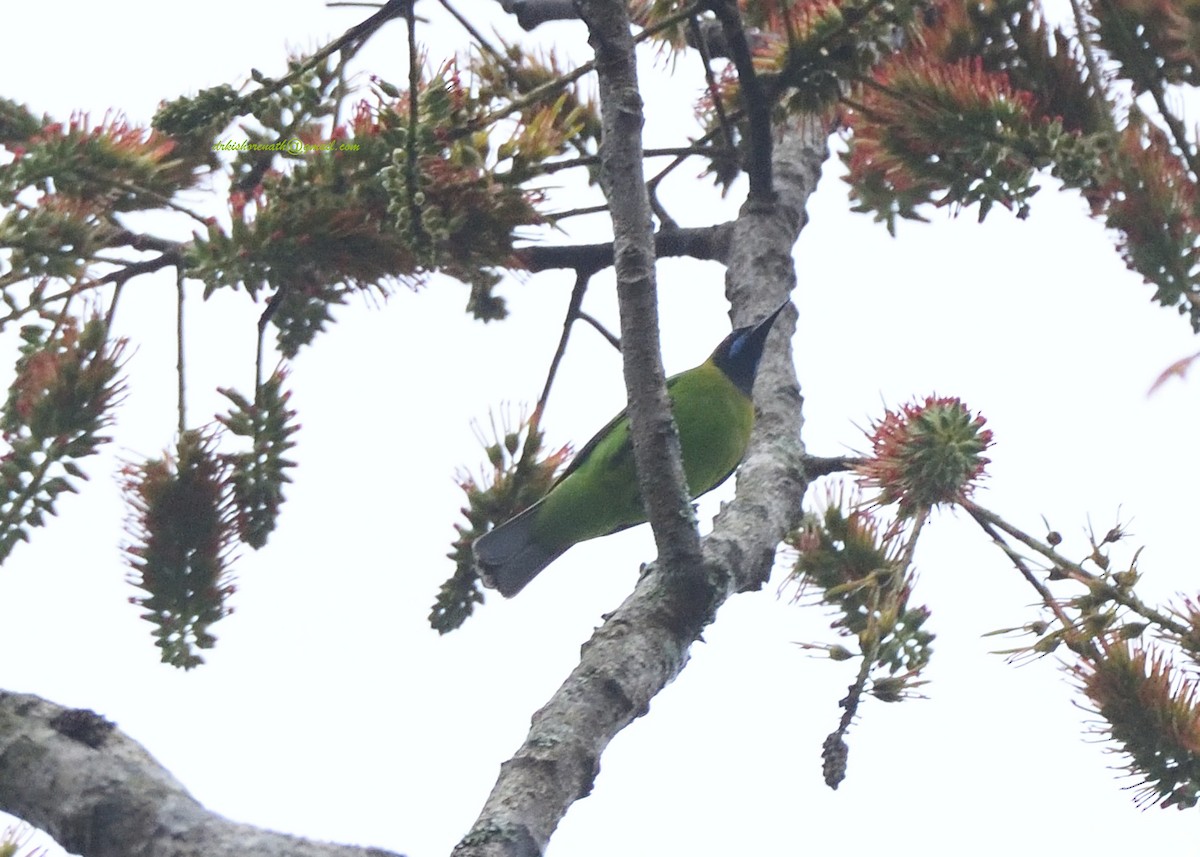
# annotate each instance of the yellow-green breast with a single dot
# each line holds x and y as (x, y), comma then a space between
(598, 494)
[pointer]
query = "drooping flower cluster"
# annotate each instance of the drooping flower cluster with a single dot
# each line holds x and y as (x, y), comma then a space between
(521, 474)
(192, 505)
(58, 405)
(319, 208)
(1151, 200)
(862, 569)
(856, 564)
(182, 528)
(983, 96)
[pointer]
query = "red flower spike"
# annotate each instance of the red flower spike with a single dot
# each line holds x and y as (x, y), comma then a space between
(1151, 710)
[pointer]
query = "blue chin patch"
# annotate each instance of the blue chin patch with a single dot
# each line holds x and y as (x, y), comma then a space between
(735, 347)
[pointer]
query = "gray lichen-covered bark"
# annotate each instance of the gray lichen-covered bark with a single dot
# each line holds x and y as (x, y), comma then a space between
(100, 794)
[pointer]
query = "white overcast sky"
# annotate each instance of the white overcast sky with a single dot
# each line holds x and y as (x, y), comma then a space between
(329, 709)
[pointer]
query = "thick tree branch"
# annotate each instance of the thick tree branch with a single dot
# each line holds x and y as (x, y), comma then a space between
(100, 794)
(705, 242)
(761, 271)
(533, 13)
(816, 466)
(642, 646)
(754, 100)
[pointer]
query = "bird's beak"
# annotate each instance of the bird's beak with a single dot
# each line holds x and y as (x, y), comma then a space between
(758, 334)
(769, 320)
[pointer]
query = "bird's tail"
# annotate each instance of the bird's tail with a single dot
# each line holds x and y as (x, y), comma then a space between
(509, 556)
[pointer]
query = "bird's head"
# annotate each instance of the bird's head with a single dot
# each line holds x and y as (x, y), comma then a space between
(738, 355)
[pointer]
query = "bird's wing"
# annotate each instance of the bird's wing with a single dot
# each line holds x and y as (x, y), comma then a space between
(588, 448)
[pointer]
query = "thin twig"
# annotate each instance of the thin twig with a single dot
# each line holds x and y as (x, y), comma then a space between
(680, 152)
(612, 338)
(710, 80)
(815, 465)
(1076, 571)
(853, 698)
(411, 150)
(1019, 562)
(352, 39)
(465, 23)
(1177, 130)
(112, 306)
(652, 185)
(134, 269)
(580, 212)
(551, 86)
(179, 355)
(119, 278)
(267, 314)
(577, 293)
(165, 201)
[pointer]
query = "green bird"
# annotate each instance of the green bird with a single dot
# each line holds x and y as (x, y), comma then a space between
(597, 495)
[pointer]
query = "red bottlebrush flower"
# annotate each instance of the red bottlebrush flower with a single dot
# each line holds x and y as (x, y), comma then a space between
(793, 21)
(66, 384)
(928, 132)
(1153, 715)
(114, 165)
(925, 454)
(237, 204)
(60, 401)
(947, 31)
(1161, 190)
(38, 375)
(365, 121)
(1152, 202)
